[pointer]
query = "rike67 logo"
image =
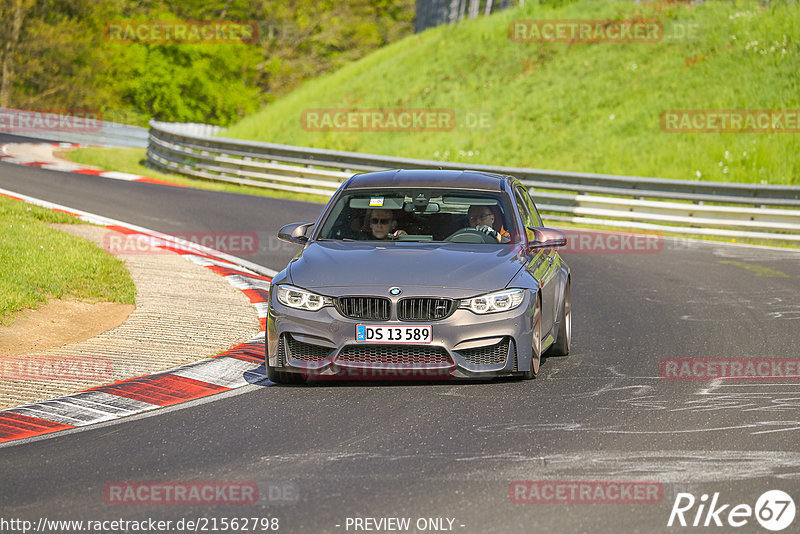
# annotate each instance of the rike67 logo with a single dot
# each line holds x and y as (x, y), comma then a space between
(774, 510)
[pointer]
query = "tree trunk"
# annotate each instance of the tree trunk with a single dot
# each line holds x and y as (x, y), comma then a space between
(455, 9)
(474, 8)
(17, 14)
(462, 10)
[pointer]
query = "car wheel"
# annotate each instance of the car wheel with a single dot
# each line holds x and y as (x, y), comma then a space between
(536, 356)
(561, 346)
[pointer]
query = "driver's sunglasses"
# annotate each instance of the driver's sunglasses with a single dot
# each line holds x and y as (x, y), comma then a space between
(375, 220)
(479, 217)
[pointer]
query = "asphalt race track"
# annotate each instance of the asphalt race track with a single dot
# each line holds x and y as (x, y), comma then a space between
(322, 454)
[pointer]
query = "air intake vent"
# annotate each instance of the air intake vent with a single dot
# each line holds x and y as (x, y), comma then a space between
(490, 355)
(424, 309)
(305, 352)
(396, 355)
(281, 351)
(365, 308)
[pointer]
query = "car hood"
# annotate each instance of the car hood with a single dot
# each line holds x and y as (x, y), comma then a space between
(452, 265)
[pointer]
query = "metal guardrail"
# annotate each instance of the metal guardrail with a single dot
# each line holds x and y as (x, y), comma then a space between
(768, 212)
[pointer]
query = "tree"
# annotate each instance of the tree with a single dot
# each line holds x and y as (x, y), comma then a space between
(12, 16)
(57, 54)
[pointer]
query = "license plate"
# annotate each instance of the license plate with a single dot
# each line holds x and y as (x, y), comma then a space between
(368, 333)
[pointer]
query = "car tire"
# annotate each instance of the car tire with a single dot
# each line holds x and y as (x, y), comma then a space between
(561, 346)
(536, 353)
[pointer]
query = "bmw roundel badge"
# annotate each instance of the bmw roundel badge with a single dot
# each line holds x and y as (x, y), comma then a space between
(395, 291)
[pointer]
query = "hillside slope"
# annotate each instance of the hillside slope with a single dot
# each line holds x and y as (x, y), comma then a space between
(592, 107)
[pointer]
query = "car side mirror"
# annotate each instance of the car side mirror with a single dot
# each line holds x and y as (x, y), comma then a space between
(547, 238)
(294, 233)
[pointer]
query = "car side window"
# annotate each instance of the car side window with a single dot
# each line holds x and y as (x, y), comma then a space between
(531, 207)
(525, 214)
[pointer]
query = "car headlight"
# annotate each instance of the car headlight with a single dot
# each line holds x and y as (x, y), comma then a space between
(499, 301)
(294, 297)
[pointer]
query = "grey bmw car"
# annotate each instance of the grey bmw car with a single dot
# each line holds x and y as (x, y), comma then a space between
(420, 274)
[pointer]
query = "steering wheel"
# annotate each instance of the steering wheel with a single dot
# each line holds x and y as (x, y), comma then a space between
(470, 235)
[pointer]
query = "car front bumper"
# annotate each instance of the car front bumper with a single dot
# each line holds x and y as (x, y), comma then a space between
(464, 345)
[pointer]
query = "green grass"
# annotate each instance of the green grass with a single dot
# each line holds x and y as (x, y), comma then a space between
(682, 238)
(132, 160)
(38, 262)
(573, 107)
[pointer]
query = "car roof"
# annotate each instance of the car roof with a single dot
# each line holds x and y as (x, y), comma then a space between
(403, 178)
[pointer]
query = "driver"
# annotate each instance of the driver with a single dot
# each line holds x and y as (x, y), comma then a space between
(383, 225)
(481, 218)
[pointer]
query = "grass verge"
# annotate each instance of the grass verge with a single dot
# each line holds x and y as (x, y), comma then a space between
(39, 262)
(589, 107)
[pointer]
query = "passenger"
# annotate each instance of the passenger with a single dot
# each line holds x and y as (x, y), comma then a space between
(382, 225)
(482, 218)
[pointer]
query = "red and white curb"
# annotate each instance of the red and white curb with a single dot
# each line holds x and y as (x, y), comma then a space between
(234, 368)
(74, 168)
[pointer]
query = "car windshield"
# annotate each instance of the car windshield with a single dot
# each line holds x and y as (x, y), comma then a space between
(421, 215)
